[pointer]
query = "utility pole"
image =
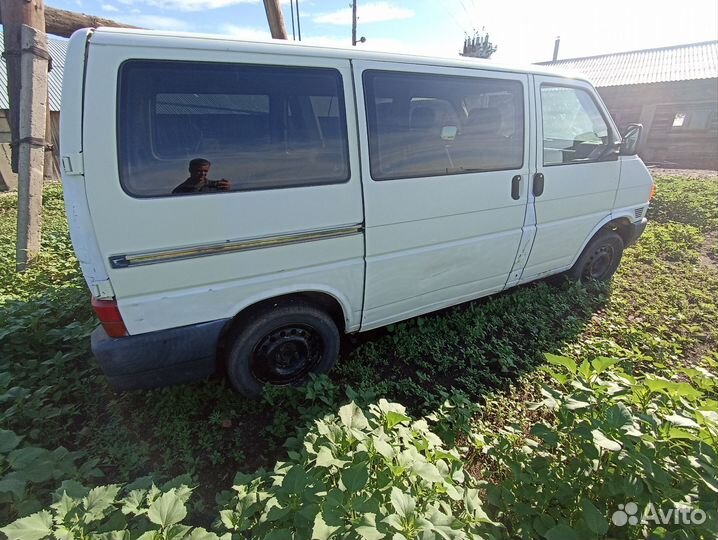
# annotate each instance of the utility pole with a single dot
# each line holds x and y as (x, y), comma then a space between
(27, 61)
(15, 13)
(31, 155)
(354, 23)
(299, 24)
(275, 19)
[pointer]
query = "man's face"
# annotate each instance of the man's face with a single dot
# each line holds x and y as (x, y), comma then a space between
(199, 174)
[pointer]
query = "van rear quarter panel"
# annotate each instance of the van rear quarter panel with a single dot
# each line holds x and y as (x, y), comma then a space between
(183, 292)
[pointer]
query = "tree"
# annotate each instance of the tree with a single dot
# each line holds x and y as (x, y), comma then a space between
(478, 45)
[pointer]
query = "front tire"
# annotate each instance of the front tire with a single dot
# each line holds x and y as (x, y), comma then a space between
(280, 346)
(599, 260)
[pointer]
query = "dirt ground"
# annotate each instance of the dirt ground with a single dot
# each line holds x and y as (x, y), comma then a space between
(685, 173)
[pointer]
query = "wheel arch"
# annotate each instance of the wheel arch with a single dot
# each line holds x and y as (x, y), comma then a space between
(613, 222)
(336, 306)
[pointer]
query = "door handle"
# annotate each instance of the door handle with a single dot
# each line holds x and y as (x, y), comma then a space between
(538, 184)
(515, 187)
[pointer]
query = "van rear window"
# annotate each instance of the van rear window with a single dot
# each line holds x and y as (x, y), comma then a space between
(431, 125)
(184, 127)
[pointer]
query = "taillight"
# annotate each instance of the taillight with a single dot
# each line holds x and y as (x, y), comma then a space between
(110, 318)
(653, 191)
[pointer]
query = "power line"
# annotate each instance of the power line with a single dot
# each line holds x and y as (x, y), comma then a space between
(458, 21)
(291, 7)
(468, 14)
(475, 6)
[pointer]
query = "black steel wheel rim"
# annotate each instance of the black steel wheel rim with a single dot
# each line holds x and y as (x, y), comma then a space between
(287, 354)
(599, 265)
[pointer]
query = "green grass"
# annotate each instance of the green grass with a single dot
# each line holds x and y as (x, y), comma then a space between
(692, 201)
(659, 312)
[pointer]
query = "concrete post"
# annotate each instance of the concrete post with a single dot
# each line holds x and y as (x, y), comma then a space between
(15, 13)
(48, 165)
(31, 158)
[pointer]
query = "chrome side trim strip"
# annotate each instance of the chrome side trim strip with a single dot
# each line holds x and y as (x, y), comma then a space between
(231, 246)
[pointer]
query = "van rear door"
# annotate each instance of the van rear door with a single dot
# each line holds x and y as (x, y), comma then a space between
(445, 161)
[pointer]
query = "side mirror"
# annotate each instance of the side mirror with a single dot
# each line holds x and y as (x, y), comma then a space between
(631, 138)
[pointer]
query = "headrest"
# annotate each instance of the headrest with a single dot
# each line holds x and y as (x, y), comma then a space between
(422, 117)
(385, 113)
(484, 120)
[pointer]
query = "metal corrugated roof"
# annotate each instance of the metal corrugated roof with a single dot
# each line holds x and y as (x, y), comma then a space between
(665, 64)
(58, 49)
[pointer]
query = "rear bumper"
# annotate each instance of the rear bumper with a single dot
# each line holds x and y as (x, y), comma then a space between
(634, 231)
(162, 358)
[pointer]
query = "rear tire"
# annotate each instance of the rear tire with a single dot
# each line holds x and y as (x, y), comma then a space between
(280, 346)
(599, 260)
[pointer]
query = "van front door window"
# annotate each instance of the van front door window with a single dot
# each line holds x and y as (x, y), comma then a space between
(574, 130)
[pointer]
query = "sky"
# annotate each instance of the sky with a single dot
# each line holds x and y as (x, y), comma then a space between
(524, 31)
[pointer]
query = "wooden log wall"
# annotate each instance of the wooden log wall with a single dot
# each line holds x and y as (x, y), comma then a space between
(694, 145)
(60, 22)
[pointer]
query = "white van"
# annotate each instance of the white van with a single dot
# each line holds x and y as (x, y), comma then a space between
(262, 198)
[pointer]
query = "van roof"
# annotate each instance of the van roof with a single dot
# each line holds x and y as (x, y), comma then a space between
(152, 38)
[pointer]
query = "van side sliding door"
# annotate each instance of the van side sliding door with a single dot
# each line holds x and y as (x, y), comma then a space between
(445, 163)
(577, 173)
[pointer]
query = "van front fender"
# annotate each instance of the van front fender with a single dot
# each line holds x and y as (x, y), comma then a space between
(620, 219)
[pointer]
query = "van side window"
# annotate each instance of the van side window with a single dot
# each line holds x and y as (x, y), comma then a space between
(429, 125)
(260, 127)
(574, 131)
